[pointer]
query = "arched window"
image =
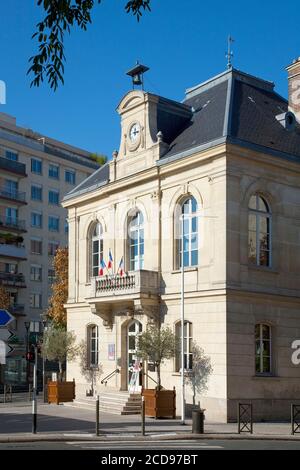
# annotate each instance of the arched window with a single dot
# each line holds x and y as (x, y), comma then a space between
(93, 346)
(96, 249)
(263, 349)
(188, 339)
(190, 234)
(136, 241)
(259, 231)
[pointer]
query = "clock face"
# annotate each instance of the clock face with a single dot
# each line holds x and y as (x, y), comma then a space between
(134, 133)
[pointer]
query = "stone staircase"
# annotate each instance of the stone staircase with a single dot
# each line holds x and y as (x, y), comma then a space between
(119, 403)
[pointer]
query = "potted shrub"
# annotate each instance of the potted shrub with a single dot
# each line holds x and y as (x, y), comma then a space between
(155, 345)
(59, 345)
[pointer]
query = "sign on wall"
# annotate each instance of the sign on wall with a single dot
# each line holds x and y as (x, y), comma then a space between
(111, 352)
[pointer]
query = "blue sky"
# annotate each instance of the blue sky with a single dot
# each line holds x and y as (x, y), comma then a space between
(183, 43)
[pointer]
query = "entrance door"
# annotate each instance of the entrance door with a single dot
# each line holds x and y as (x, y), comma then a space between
(134, 329)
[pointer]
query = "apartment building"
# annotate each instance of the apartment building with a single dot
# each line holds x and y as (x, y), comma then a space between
(35, 174)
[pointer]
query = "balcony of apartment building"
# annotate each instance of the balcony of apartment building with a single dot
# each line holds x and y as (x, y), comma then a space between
(12, 224)
(12, 246)
(12, 167)
(12, 279)
(135, 291)
(18, 310)
(12, 195)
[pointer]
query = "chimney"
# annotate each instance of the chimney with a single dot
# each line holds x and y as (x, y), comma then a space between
(294, 88)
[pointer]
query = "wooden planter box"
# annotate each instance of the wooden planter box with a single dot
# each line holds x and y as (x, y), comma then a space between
(59, 392)
(160, 403)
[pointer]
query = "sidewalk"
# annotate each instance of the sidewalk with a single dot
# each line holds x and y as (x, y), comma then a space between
(62, 423)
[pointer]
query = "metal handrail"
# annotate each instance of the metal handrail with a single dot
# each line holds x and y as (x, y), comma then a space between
(109, 376)
(145, 374)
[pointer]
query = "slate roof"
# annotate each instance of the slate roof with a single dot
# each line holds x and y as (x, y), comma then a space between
(232, 107)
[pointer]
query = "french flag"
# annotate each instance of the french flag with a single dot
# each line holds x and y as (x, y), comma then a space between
(121, 267)
(102, 267)
(110, 260)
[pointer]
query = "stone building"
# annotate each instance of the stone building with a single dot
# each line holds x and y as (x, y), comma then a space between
(228, 156)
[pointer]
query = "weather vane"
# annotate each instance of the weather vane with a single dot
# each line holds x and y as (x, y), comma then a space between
(229, 54)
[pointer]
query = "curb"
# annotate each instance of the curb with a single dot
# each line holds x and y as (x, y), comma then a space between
(151, 437)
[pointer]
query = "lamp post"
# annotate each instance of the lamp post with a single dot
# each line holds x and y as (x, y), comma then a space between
(27, 326)
(183, 217)
(44, 321)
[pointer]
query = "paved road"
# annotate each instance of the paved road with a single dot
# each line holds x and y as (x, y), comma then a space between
(156, 445)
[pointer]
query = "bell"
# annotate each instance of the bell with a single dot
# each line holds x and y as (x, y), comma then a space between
(136, 79)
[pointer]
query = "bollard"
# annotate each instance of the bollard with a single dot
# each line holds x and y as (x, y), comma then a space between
(198, 421)
(4, 393)
(29, 392)
(143, 416)
(97, 415)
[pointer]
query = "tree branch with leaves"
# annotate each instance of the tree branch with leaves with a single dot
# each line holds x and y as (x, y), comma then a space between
(60, 17)
(57, 312)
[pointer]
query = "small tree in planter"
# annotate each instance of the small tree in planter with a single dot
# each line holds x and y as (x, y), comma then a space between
(156, 345)
(90, 373)
(59, 345)
(198, 376)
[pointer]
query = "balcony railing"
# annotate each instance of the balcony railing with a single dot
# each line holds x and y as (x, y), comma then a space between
(133, 282)
(12, 223)
(17, 309)
(12, 194)
(12, 166)
(9, 279)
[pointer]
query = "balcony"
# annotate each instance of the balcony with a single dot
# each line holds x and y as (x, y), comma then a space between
(12, 167)
(10, 223)
(133, 284)
(13, 195)
(17, 309)
(135, 292)
(12, 280)
(12, 251)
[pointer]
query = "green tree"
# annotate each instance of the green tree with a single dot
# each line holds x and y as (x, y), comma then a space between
(99, 158)
(59, 345)
(56, 311)
(89, 372)
(198, 377)
(60, 17)
(155, 345)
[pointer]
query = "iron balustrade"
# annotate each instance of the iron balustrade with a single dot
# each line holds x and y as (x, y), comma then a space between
(11, 279)
(12, 223)
(12, 194)
(12, 166)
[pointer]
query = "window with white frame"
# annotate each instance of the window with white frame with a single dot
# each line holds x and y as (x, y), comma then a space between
(263, 349)
(36, 219)
(36, 300)
(96, 249)
(53, 171)
(188, 340)
(189, 224)
(53, 197)
(36, 192)
(36, 166)
(93, 341)
(259, 231)
(10, 155)
(136, 241)
(53, 223)
(36, 246)
(70, 176)
(35, 272)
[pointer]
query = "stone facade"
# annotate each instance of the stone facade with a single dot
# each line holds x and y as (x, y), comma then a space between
(225, 296)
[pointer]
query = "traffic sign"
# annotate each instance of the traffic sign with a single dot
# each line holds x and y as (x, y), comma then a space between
(5, 334)
(5, 318)
(9, 349)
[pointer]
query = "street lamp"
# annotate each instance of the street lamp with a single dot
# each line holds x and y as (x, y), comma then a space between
(44, 321)
(183, 217)
(27, 326)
